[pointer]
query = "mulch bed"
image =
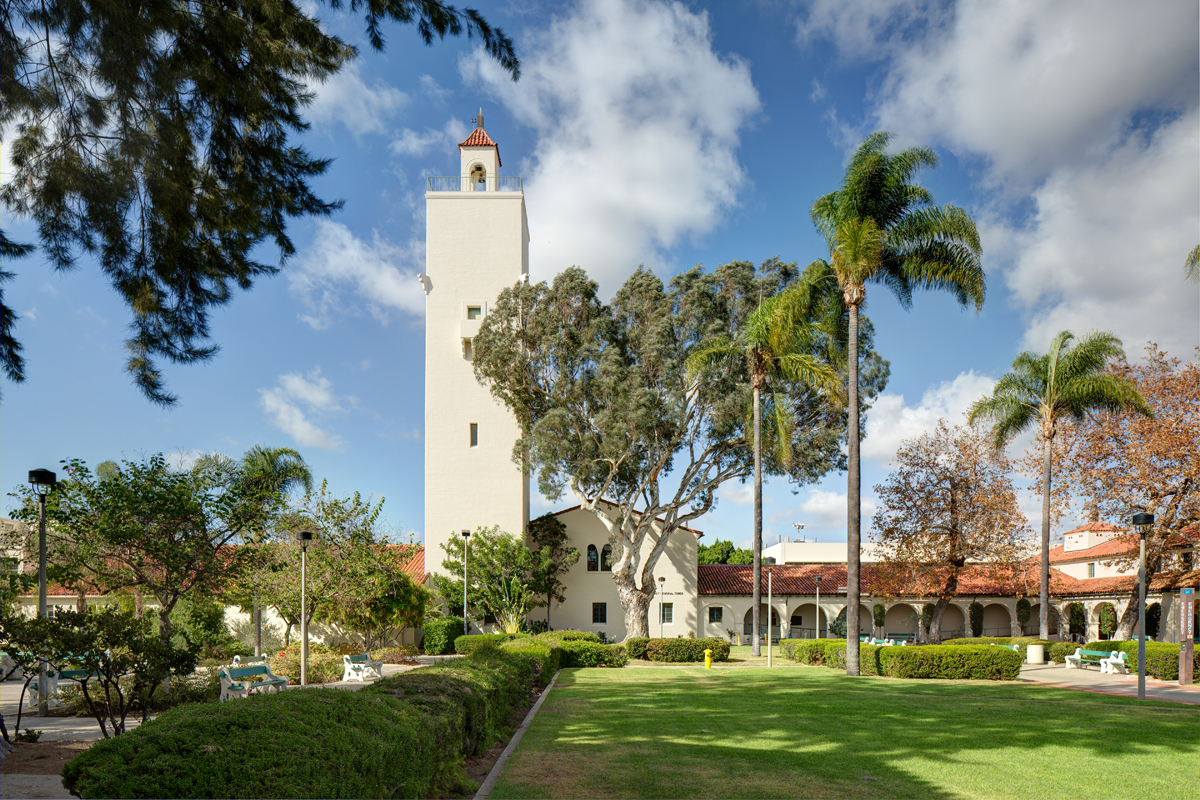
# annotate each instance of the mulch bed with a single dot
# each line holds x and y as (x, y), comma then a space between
(41, 758)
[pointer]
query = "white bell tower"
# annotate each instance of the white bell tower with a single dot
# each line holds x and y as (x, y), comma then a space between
(477, 243)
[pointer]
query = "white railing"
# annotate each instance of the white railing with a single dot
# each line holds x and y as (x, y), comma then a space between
(459, 183)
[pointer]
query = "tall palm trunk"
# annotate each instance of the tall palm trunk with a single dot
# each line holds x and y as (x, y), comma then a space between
(755, 648)
(1044, 590)
(853, 506)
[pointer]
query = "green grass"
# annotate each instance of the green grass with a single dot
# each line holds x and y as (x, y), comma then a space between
(813, 732)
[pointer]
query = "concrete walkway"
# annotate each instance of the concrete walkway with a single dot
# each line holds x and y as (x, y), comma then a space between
(1090, 679)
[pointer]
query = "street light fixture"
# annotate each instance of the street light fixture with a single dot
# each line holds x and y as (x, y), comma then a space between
(661, 585)
(1143, 523)
(303, 538)
(43, 480)
(466, 549)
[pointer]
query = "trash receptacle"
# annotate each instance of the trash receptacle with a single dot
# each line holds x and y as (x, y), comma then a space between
(1035, 654)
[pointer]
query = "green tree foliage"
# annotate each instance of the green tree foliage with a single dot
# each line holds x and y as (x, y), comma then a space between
(1024, 609)
(159, 138)
(494, 560)
(837, 628)
(548, 537)
(1077, 619)
(1108, 619)
(975, 612)
(610, 412)
(722, 552)
(881, 227)
(879, 616)
(147, 527)
(1042, 389)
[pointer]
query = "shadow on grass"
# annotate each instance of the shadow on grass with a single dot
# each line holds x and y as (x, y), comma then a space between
(816, 733)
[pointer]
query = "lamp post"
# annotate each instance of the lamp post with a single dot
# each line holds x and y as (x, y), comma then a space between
(769, 560)
(466, 549)
(661, 585)
(303, 538)
(44, 480)
(1143, 523)
(818, 580)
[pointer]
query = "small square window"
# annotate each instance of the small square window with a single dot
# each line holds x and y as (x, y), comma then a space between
(474, 312)
(668, 613)
(474, 434)
(600, 612)
(715, 613)
(1092, 570)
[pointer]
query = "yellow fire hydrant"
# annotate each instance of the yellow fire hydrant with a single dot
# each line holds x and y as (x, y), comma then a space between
(708, 659)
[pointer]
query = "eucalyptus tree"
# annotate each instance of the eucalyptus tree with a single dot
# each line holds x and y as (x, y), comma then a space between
(1044, 388)
(160, 138)
(784, 344)
(609, 411)
(881, 227)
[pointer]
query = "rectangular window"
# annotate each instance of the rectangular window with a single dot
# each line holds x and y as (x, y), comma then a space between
(473, 312)
(9, 566)
(600, 612)
(474, 434)
(668, 613)
(715, 613)
(1092, 570)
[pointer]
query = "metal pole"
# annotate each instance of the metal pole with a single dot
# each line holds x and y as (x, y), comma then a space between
(43, 611)
(303, 616)
(818, 609)
(1142, 619)
(770, 611)
(466, 551)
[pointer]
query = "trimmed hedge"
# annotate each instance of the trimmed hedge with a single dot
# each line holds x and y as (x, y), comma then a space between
(686, 650)
(635, 646)
(440, 635)
(1022, 643)
(469, 644)
(569, 636)
(581, 653)
(834, 657)
(920, 661)
(548, 657)
(807, 651)
(403, 736)
(1162, 658)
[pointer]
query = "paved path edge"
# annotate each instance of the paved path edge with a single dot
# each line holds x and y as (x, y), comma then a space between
(489, 783)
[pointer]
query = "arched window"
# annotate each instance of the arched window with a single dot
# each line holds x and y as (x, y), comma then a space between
(606, 558)
(593, 558)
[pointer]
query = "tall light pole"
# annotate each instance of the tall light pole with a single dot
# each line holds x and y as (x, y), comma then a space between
(769, 560)
(661, 585)
(44, 480)
(1143, 523)
(303, 538)
(818, 580)
(466, 550)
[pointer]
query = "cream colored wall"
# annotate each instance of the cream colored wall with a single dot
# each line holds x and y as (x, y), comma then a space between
(1078, 569)
(677, 565)
(476, 245)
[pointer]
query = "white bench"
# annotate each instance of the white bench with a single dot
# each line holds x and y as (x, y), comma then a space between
(234, 681)
(356, 668)
(1114, 664)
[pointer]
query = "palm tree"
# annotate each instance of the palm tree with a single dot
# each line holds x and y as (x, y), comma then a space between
(1042, 389)
(882, 228)
(1191, 268)
(781, 342)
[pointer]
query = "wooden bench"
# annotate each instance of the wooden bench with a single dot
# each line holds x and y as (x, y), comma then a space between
(355, 668)
(1082, 657)
(237, 681)
(1115, 663)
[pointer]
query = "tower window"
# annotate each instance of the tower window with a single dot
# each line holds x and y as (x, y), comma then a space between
(606, 558)
(474, 312)
(474, 434)
(600, 612)
(593, 559)
(1092, 569)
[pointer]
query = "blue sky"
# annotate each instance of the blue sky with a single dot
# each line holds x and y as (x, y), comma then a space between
(672, 135)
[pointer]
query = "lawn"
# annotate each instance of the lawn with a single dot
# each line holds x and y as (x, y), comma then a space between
(813, 732)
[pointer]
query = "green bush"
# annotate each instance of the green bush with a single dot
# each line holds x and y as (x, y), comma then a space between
(199, 687)
(868, 657)
(686, 650)
(943, 661)
(548, 657)
(635, 646)
(807, 651)
(403, 736)
(1022, 643)
(1162, 658)
(469, 644)
(440, 635)
(581, 653)
(324, 664)
(400, 654)
(1058, 651)
(975, 612)
(569, 636)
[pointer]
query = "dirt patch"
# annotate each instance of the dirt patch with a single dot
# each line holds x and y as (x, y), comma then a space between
(41, 758)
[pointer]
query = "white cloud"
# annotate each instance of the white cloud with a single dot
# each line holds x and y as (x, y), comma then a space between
(890, 421)
(637, 122)
(183, 459)
(868, 30)
(823, 511)
(294, 399)
(384, 275)
(433, 89)
(412, 143)
(347, 99)
(740, 494)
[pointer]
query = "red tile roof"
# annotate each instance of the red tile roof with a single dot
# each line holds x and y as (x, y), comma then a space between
(480, 138)
(415, 566)
(1094, 526)
(1124, 584)
(1113, 547)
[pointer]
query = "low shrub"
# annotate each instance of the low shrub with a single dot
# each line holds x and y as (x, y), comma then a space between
(807, 651)
(1057, 652)
(548, 656)
(1022, 642)
(400, 654)
(582, 653)
(569, 636)
(199, 687)
(324, 664)
(1162, 658)
(868, 657)
(440, 635)
(686, 650)
(469, 644)
(403, 736)
(952, 662)
(635, 646)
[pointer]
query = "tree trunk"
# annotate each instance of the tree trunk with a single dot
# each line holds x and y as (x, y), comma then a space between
(139, 602)
(1129, 617)
(755, 646)
(257, 627)
(853, 504)
(81, 601)
(635, 603)
(1044, 590)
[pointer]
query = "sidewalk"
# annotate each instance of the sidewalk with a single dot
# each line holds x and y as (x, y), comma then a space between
(1090, 679)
